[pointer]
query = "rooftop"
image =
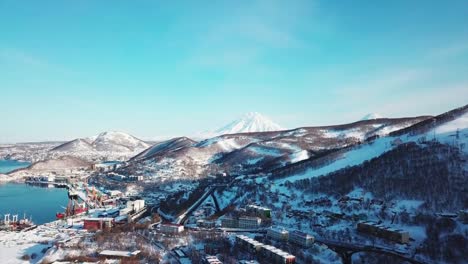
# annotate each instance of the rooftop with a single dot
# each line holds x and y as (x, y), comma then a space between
(115, 253)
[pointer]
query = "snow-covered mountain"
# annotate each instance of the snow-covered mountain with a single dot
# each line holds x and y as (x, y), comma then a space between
(248, 123)
(107, 145)
(371, 116)
(118, 141)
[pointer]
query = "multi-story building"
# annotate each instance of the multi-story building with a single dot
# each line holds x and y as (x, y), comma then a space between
(205, 223)
(269, 253)
(382, 231)
(259, 210)
(249, 244)
(211, 260)
(229, 222)
(169, 228)
(301, 238)
(248, 222)
(276, 255)
(278, 233)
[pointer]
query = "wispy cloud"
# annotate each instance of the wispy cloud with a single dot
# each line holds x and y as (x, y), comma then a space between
(249, 32)
(19, 57)
(27, 61)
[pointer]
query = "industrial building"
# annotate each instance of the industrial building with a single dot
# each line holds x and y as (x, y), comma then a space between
(278, 233)
(98, 223)
(382, 231)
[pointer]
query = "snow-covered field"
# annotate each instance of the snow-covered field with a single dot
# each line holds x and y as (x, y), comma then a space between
(15, 245)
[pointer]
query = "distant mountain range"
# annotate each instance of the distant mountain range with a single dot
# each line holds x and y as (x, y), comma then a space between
(111, 141)
(252, 152)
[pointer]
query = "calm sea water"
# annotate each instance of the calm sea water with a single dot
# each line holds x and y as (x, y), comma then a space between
(38, 202)
(10, 165)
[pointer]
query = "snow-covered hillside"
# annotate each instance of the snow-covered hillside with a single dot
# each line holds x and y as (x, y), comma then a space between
(105, 146)
(448, 128)
(255, 152)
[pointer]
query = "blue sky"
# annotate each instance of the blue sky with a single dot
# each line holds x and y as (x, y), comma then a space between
(169, 68)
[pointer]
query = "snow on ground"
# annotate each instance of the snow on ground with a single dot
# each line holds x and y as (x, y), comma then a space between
(265, 151)
(14, 245)
(298, 156)
(348, 133)
(408, 205)
(353, 157)
(459, 123)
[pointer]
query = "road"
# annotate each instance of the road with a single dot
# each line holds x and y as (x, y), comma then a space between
(348, 249)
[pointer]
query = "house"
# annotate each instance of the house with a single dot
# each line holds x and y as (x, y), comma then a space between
(300, 238)
(170, 228)
(278, 233)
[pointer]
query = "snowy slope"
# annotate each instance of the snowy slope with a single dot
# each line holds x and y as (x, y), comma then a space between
(79, 144)
(105, 146)
(450, 130)
(118, 141)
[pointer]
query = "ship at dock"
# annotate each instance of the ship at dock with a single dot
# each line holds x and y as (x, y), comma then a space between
(13, 223)
(74, 207)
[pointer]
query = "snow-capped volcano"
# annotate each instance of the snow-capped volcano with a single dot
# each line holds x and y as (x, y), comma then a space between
(248, 123)
(371, 116)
